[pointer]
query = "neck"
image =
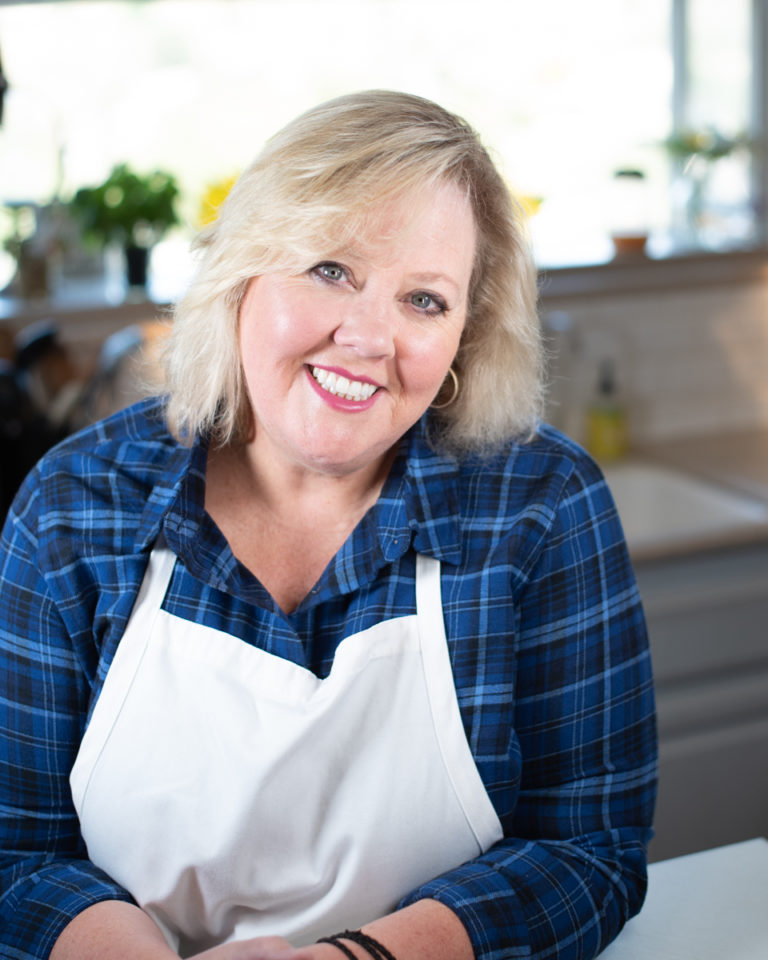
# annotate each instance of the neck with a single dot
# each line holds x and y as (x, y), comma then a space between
(242, 474)
(280, 485)
(286, 524)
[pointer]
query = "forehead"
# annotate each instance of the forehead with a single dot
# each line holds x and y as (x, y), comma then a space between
(432, 222)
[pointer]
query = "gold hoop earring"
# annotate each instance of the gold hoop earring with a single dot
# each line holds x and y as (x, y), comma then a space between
(452, 398)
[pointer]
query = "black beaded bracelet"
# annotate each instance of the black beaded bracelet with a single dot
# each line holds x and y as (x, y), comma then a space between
(371, 946)
(336, 942)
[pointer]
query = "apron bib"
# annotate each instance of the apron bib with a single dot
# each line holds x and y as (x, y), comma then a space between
(235, 794)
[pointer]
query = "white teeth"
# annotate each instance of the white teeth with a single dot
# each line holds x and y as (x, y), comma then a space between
(341, 387)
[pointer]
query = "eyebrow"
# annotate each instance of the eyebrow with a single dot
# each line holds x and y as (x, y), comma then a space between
(432, 277)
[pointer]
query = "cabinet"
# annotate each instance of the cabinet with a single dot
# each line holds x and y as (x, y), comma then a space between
(708, 624)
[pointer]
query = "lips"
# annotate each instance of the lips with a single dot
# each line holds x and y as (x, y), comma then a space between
(339, 386)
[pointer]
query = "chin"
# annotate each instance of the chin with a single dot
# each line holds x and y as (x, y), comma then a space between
(342, 461)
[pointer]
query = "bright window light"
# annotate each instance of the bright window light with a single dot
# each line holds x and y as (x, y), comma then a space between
(563, 93)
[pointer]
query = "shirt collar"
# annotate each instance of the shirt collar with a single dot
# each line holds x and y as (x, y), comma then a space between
(177, 501)
(419, 503)
(418, 506)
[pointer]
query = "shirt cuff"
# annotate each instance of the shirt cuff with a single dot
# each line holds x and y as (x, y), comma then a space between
(36, 909)
(491, 914)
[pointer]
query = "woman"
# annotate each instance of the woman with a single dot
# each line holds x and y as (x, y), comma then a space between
(336, 636)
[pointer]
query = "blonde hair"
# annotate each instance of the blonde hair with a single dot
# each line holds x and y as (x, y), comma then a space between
(316, 187)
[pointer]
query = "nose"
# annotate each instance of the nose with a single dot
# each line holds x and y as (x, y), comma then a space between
(368, 327)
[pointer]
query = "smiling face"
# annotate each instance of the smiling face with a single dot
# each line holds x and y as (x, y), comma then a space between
(339, 361)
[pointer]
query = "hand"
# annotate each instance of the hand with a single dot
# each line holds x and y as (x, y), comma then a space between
(269, 948)
(122, 931)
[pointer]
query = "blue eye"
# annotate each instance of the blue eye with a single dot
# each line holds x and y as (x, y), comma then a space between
(330, 271)
(428, 303)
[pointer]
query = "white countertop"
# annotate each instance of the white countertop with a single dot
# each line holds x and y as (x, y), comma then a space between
(711, 905)
(685, 496)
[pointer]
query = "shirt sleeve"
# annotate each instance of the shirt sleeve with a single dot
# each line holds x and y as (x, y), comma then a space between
(571, 868)
(45, 876)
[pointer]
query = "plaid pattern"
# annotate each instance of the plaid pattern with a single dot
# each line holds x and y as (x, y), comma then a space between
(546, 638)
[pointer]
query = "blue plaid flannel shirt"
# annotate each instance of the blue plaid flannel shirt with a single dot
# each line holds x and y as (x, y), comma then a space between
(546, 637)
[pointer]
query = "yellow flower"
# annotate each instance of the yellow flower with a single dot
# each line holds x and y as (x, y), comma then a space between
(529, 203)
(215, 194)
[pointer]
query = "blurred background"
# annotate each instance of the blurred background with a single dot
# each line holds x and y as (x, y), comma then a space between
(634, 135)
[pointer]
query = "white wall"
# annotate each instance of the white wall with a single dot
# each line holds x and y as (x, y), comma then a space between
(689, 361)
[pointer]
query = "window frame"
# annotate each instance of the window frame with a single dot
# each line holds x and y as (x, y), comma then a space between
(758, 95)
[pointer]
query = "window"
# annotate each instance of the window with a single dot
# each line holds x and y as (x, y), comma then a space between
(714, 105)
(564, 93)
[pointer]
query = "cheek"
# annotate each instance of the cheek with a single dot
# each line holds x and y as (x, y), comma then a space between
(268, 344)
(433, 356)
(291, 334)
(250, 356)
(273, 317)
(421, 376)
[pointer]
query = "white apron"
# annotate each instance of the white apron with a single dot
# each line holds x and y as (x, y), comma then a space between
(235, 794)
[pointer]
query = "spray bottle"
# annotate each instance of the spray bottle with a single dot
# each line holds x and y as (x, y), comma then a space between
(607, 428)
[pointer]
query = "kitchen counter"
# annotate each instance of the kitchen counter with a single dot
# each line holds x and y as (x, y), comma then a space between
(693, 494)
(696, 519)
(738, 459)
(706, 905)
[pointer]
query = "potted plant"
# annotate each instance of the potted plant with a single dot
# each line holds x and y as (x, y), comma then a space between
(694, 153)
(133, 210)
